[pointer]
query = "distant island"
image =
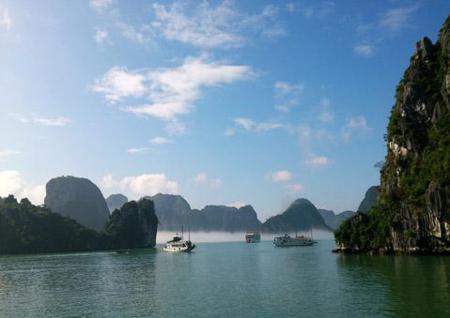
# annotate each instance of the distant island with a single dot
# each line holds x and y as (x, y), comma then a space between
(76, 217)
(26, 228)
(412, 213)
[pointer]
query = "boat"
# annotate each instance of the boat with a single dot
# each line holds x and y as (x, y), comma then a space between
(177, 244)
(287, 241)
(252, 237)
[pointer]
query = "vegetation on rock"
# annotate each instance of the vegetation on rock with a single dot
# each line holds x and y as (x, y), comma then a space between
(412, 213)
(26, 228)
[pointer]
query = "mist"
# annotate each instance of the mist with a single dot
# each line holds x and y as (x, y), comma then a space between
(204, 237)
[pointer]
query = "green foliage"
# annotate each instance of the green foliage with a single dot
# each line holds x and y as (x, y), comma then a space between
(25, 228)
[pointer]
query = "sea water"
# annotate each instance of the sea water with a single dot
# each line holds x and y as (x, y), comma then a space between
(231, 279)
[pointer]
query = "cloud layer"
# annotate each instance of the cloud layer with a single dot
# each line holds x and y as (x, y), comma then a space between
(169, 92)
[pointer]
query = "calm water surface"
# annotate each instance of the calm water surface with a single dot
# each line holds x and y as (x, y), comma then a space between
(225, 280)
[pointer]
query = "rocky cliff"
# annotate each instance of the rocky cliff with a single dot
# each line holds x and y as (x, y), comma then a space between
(412, 213)
(171, 210)
(79, 199)
(370, 198)
(225, 218)
(134, 225)
(334, 220)
(301, 215)
(115, 201)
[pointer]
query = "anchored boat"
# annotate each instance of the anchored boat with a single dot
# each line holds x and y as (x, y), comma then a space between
(287, 241)
(177, 244)
(252, 237)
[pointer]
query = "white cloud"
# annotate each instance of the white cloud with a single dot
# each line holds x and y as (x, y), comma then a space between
(55, 121)
(250, 125)
(101, 36)
(100, 5)
(141, 185)
(171, 92)
(280, 176)
(160, 140)
(140, 34)
(12, 183)
(5, 19)
(221, 26)
(202, 179)
(119, 83)
(8, 152)
(295, 188)
(58, 121)
(108, 181)
(317, 161)
(287, 95)
(397, 18)
(364, 49)
(137, 150)
(353, 125)
(238, 204)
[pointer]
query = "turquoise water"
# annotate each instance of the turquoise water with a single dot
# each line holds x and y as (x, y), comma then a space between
(225, 280)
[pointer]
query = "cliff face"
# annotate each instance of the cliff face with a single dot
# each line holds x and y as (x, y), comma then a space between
(301, 215)
(413, 210)
(369, 200)
(115, 201)
(134, 225)
(79, 199)
(225, 218)
(171, 210)
(333, 220)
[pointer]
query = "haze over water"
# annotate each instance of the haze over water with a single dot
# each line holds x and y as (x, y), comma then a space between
(230, 279)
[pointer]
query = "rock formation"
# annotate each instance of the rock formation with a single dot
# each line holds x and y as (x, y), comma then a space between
(369, 200)
(225, 218)
(412, 214)
(115, 201)
(301, 215)
(79, 199)
(171, 210)
(134, 225)
(334, 220)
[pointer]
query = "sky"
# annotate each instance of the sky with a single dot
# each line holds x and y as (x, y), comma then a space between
(223, 102)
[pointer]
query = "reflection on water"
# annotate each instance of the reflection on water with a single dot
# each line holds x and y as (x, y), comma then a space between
(231, 279)
(413, 285)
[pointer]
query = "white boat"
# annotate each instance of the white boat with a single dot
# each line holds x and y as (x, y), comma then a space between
(178, 245)
(287, 241)
(252, 237)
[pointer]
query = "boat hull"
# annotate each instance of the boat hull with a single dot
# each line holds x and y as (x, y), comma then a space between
(178, 249)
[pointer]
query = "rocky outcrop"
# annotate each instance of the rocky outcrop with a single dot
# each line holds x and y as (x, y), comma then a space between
(301, 215)
(172, 211)
(369, 200)
(134, 225)
(225, 218)
(412, 214)
(115, 201)
(79, 199)
(333, 220)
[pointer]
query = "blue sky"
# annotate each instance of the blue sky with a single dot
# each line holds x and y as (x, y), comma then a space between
(223, 102)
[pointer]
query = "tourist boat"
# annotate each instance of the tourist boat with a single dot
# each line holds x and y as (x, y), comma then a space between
(252, 237)
(178, 244)
(287, 241)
